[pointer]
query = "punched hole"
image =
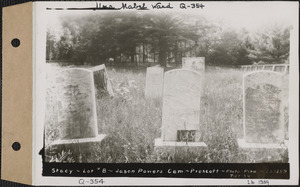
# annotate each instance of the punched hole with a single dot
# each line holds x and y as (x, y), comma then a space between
(16, 146)
(15, 42)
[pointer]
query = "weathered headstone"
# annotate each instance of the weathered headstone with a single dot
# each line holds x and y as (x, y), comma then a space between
(181, 109)
(265, 97)
(154, 82)
(102, 82)
(194, 63)
(76, 102)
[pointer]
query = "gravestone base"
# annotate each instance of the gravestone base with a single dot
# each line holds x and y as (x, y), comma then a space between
(263, 153)
(160, 143)
(171, 147)
(80, 148)
(98, 138)
(243, 144)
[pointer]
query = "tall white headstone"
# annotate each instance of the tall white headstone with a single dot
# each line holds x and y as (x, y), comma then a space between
(181, 108)
(154, 82)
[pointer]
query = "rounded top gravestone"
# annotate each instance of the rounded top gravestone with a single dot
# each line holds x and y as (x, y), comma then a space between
(181, 103)
(77, 115)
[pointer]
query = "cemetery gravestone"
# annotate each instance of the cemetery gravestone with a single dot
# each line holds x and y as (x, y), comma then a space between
(181, 109)
(102, 82)
(77, 117)
(154, 82)
(76, 104)
(265, 97)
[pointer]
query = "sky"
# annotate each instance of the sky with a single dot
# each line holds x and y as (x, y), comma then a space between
(251, 15)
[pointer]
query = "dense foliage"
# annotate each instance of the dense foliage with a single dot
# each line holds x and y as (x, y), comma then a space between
(141, 38)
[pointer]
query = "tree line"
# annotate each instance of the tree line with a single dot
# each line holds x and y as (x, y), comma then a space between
(135, 38)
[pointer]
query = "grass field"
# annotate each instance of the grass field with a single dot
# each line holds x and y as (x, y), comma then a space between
(132, 123)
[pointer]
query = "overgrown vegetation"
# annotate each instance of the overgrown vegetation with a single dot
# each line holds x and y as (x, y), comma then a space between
(142, 38)
(132, 123)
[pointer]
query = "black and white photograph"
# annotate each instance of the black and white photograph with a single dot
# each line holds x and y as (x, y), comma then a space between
(192, 83)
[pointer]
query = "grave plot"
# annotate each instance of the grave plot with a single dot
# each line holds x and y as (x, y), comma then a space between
(102, 82)
(181, 110)
(77, 116)
(154, 82)
(264, 102)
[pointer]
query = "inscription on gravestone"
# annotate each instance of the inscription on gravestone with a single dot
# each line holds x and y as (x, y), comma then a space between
(77, 116)
(186, 135)
(154, 82)
(264, 100)
(181, 106)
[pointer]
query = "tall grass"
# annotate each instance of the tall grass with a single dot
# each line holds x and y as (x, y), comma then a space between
(132, 122)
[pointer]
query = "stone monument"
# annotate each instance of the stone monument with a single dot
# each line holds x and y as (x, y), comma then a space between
(154, 82)
(77, 117)
(265, 96)
(181, 109)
